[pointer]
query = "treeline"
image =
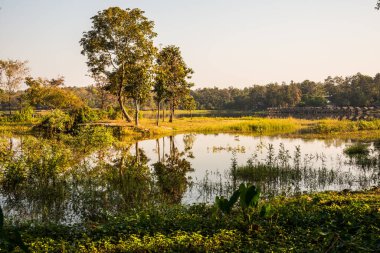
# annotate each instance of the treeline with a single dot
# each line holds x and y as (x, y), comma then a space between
(357, 90)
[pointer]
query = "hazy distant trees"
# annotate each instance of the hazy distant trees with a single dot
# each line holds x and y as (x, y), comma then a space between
(357, 90)
(119, 46)
(12, 74)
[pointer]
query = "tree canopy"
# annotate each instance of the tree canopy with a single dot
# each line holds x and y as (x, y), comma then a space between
(172, 77)
(12, 73)
(120, 43)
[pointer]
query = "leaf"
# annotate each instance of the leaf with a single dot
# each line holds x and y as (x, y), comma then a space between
(235, 196)
(243, 192)
(252, 196)
(222, 204)
(249, 196)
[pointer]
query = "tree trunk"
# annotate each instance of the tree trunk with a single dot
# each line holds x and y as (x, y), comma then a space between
(9, 103)
(137, 153)
(163, 112)
(171, 138)
(171, 112)
(158, 112)
(163, 149)
(158, 150)
(120, 100)
(137, 109)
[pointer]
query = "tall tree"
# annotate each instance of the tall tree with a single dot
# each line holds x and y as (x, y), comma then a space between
(378, 5)
(173, 76)
(12, 73)
(138, 89)
(118, 42)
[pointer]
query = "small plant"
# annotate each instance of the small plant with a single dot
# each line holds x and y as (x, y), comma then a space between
(249, 196)
(226, 205)
(359, 149)
(24, 115)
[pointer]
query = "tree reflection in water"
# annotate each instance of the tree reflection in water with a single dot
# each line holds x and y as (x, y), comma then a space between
(171, 174)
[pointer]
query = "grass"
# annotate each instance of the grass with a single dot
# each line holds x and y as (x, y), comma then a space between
(326, 128)
(323, 222)
(213, 125)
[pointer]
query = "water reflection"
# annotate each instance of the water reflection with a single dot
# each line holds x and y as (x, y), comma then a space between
(171, 171)
(60, 181)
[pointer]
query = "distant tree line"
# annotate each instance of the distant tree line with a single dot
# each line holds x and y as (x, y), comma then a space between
(357, 90)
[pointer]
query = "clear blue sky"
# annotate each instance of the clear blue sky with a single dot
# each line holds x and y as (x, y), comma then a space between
(227, 43)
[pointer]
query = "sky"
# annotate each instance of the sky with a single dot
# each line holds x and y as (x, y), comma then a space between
(226, 42)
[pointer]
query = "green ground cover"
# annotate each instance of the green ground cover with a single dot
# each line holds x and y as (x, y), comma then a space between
(323, 222)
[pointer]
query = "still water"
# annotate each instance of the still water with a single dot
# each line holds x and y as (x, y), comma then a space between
(50, 181)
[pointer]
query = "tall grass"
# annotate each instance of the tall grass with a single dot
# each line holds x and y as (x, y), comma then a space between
(328, 126)
(227, 125)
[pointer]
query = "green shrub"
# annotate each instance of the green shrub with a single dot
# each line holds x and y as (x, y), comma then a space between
(56, 121)
(24, 115)
(84, 115)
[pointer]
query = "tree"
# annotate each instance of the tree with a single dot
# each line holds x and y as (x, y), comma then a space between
(160, 82)
(139, 86)
(49, 93)
(189, 104)
(119, 42)
(102, 94)
(172, 76)
(378, 5)
(12, 73)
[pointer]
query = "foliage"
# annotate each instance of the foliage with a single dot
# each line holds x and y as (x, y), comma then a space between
(119, 43)
(225, 205)
(56, 121)
(335, 222)
(171, 78)
(12, 73)
(49, 94)
(84, 115)
(93, 137)
(24, 115)
(248, 196)
(356, 90)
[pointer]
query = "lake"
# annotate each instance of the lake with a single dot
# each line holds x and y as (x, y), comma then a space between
(63, 182)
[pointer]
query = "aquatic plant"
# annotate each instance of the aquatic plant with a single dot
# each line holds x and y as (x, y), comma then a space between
(358, 149)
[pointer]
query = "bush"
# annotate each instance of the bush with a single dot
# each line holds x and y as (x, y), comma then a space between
(24, 115)
(56, 121)
(84, 115)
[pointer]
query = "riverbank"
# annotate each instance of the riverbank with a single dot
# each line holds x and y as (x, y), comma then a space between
(289, 127)
(324, 222)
